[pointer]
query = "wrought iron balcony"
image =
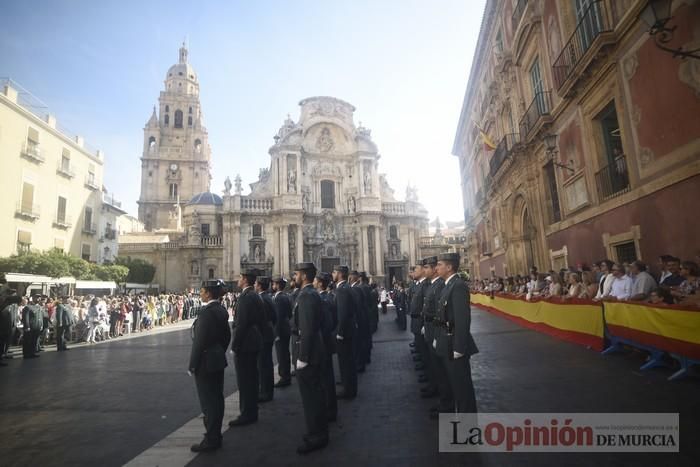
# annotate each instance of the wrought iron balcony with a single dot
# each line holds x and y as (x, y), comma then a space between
(89, 228)
(110, 234)
(592, 25)
(539, 107)
(32, 151)
(91, 182)
(27, 210)
(111, 200)
(503, 150)
(62, 221)
(613, 179)
(65, 170)
(518, 13)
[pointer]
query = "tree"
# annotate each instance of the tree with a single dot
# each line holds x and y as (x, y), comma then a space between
(140, 270)
(113, 272)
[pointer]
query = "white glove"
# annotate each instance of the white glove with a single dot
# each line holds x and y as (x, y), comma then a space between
(339, 337)
(422, 330)
(189, 373)
(277, 338)
(301, 364)
(435, 343)
(457, 355)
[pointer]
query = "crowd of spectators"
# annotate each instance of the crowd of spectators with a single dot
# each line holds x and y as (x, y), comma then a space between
(37, 321)
(673, 282)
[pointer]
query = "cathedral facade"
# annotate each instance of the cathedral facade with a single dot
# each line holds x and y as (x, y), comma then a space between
(321, 199)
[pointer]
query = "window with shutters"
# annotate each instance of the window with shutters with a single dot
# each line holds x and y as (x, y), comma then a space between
(27, 203)
(61, 210)
(85, 252)
(257, 230)
(327, 194)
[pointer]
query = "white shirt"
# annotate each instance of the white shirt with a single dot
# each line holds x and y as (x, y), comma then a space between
(207, 303)
(607, 285)
(643, 284)
(384, 296)
(447, 281)
(621, 287)
(664, 275)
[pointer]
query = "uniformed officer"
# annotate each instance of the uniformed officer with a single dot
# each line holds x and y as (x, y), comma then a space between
(292, 293)
(439, 382)
(363, 339)
(311, 357)
(64, 321)
(283, 308)
(266, 368)
(345, 333)
(210, 338)
(420, 288)
(329, 321)
(248, 324)
(453, 341)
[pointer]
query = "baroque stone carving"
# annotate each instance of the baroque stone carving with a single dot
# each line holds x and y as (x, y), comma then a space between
(689, 70)
(629, 66)
(646, 156)
(325, 143)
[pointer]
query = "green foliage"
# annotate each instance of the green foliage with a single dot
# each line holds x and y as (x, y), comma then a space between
(56, 263)
(140, 271)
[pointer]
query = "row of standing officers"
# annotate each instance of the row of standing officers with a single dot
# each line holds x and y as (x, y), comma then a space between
(438, 304)
(319, 315)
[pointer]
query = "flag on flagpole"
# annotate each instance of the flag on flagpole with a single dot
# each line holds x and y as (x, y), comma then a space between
(488, 144)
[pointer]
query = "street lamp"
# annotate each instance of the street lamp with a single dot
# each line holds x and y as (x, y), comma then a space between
(550, 144)
(656, 14)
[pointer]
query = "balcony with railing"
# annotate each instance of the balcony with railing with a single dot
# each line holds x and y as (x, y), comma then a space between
(539, 108)
(23, 248)
(613, 179)
(256, 205)
(582, 46)
(394, 208)
(32, 152)
(65, 169)
(518, 12)
(62, 221)
(211, 241)
(108, 198)
(502, 152)
(89, 228)
(110, 234)
(91, 182)
(27, 210)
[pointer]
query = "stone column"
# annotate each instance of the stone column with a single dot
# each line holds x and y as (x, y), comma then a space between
(379, 254)
(276, 250)
(236, 251)
(364, 244)
(284, 251)
(300, 243)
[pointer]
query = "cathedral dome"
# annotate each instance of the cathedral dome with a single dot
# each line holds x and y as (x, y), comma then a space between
(206, 198)
(182, 71)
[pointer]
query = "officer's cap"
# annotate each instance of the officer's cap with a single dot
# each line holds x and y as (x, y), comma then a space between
(279, 280)
(305, 266)
(450, 257)
(429, 261)
(341, 268)
(323, 276)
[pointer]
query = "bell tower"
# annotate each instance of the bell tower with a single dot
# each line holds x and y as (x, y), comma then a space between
(176, 158)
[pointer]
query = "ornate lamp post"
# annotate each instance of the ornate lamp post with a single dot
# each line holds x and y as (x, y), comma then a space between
(550, 144)
(656, 14)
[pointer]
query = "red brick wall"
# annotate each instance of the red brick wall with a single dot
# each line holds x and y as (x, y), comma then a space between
(667, 218)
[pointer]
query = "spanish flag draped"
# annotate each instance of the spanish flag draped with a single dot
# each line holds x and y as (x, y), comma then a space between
(488, 144)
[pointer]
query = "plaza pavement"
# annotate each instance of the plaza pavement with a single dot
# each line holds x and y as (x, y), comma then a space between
(131, 402)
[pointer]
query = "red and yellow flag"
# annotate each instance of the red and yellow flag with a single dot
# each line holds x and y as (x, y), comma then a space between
(489, 145)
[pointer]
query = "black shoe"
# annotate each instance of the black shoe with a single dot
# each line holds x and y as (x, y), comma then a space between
(242, 421)
(414, 351)
(412, 344)
(204, 446)
(293, 373)
(308, 446)
(283, 383)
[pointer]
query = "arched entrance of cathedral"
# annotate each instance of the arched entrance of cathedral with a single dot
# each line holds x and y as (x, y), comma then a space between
(523, 240)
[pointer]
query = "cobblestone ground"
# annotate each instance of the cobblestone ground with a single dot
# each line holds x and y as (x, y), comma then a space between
(109, 403)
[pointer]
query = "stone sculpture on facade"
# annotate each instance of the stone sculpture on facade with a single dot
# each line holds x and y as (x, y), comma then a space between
(227, 186)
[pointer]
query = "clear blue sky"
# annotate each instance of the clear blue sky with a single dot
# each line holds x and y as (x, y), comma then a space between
(404, 65)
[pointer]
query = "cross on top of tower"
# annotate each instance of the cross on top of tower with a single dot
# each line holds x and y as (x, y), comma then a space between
(183, 53)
